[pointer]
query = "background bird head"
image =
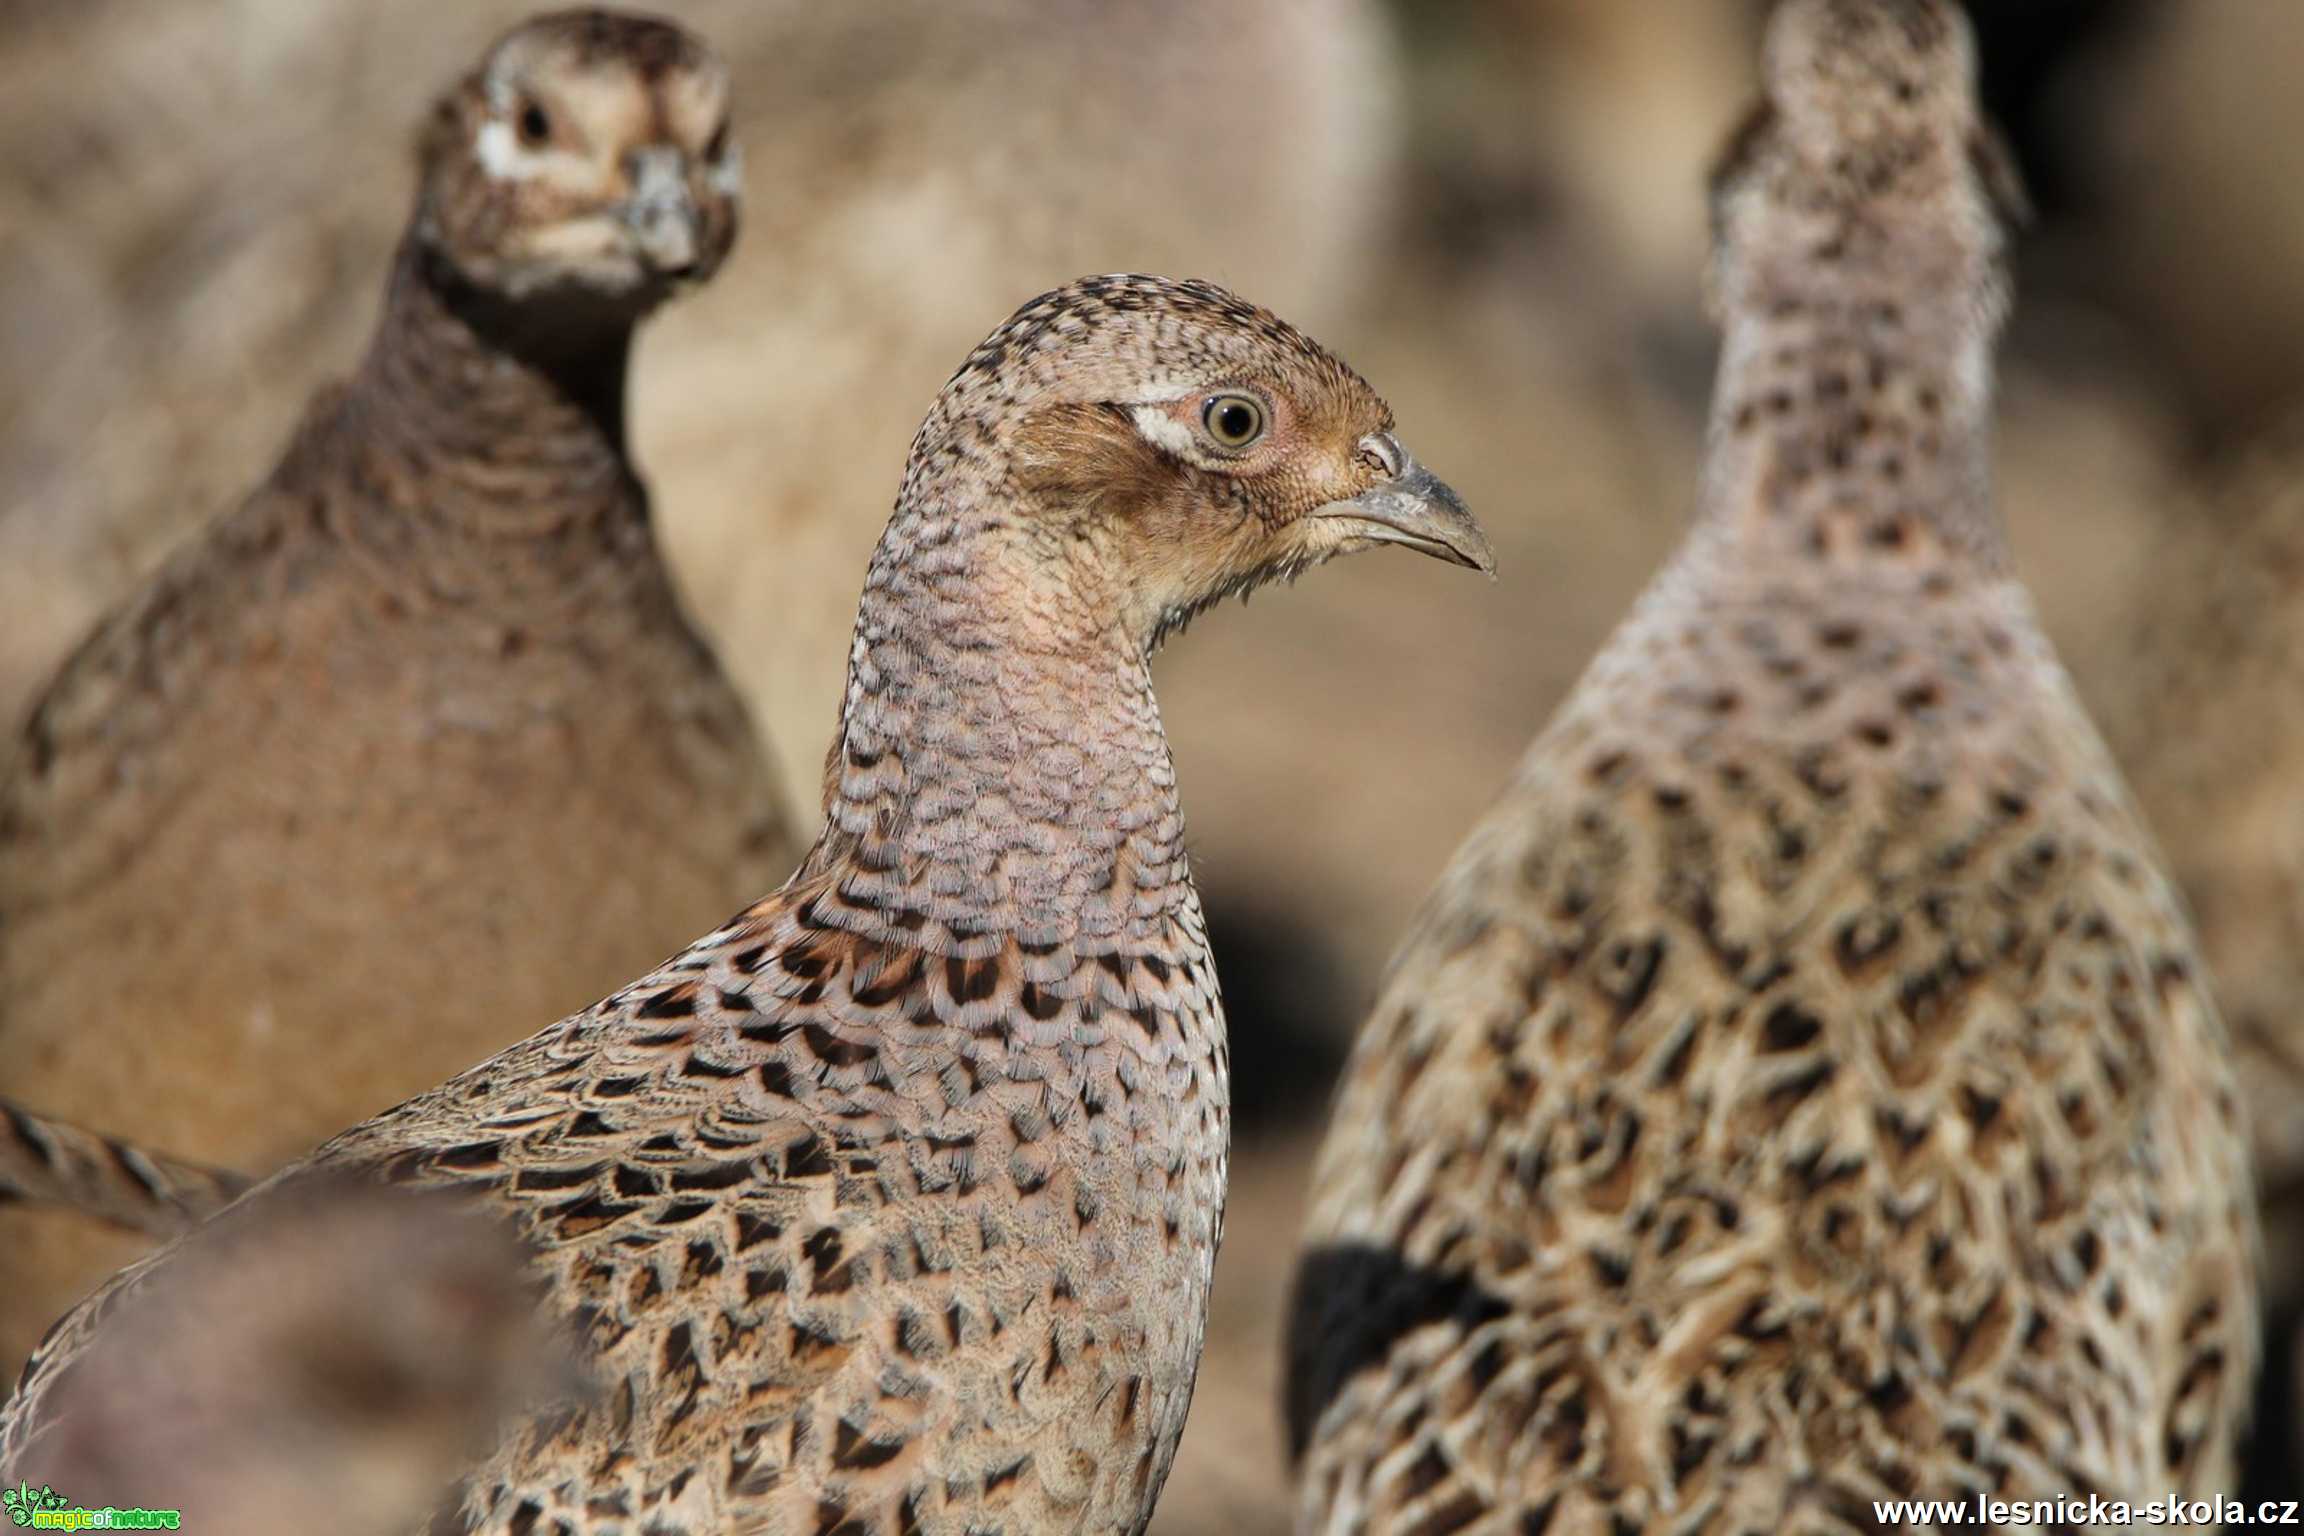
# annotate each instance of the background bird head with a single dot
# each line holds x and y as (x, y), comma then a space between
(1870, 115)
(1174, 445)
(590, 151)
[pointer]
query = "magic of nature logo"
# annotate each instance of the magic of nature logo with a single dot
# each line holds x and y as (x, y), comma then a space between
(47, 1510)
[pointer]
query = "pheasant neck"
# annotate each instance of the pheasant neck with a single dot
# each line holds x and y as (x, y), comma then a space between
(1851, 421)
(494, 422)
(1000, 773)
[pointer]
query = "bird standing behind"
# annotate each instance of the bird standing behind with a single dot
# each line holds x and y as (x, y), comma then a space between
(427, 696)
(1802, 1090)
(890, 1206)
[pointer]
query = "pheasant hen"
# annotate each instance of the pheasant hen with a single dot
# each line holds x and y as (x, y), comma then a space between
(427, 693)
(889, 1206)
(1802, 1090)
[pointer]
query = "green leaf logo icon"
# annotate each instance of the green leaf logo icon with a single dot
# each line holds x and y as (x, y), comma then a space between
(21, 1502)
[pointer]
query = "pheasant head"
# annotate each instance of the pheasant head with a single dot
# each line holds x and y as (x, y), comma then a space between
(1152, 446)
(1122, 453)
(589, 151)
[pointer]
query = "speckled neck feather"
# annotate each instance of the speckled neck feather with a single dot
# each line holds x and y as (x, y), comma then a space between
(1000, 770)
(1861, 288)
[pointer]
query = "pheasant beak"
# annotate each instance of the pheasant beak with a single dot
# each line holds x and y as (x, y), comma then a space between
(1411, 506)
(661, 213)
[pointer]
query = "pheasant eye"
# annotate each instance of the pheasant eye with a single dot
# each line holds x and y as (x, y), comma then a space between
(535, 125)
(1234, 421)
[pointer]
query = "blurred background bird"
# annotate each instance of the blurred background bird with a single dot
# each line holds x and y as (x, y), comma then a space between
(1779, 1051)
(427, 691)
(1490, 204)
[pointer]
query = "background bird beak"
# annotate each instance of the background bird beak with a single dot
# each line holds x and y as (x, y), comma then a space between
(660, 212)
(1413, 507)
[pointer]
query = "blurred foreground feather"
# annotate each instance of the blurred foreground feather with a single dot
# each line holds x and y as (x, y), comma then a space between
(324, 1356)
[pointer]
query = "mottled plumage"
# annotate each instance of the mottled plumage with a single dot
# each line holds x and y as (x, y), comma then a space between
(1802, 1090)
(50, 1162)
(427, 695)
(890, 1206)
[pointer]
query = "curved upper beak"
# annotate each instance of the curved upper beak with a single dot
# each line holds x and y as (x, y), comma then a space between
(661, 212)
(1415, 507)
